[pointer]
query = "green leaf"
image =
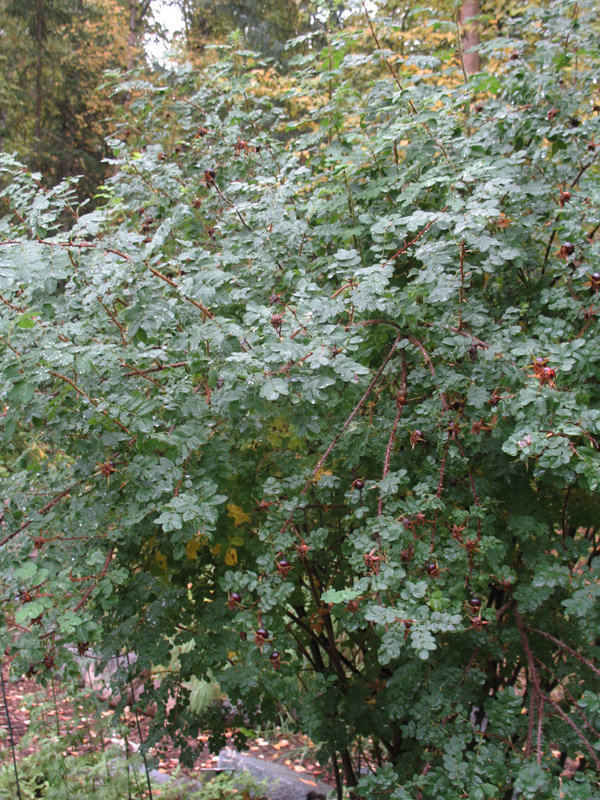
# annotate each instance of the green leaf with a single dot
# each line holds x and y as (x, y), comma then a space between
(27, 321)
(23, 391)
(340, 596)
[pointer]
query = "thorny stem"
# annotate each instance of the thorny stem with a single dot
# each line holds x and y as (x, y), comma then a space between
(44, 510)
(10, 305)
(99, 578)
(321, 641)
(69, 245)
(405, 246)
(157, 368)
(577, 730)
(531, 716)
(459, 47)
(411, 105)
(330, 635)
(430, 366)
(172, 283)
(443, 466)
(388, 452)
(547, 253)
(439, 491)
(91, 400)
(139, 730)
(584, 167)
(345, 427)
(566, 647)
(16, 352)
(470, 336)
(180, 481)
(116, 321)
(141, 373)
(539, 730)
(256, 130)
(473, 489)
(353, 215)
(570, 696)
(55, 706)
(469, 665)
(462, 277)
(564, 514)
(232, 205)
(338, 780)
(537, 698)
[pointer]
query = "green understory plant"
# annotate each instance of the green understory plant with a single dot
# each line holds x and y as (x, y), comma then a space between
(321, 396)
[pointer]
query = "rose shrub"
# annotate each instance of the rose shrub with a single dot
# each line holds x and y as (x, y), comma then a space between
(320, 395)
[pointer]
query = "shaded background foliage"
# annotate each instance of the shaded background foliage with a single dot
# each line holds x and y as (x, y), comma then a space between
(52, 60)
(315, 397)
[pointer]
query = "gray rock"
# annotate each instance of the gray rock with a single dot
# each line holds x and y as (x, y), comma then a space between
(282, 783)
(156, 777)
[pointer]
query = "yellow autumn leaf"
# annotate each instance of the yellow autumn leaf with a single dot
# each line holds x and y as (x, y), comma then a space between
(320, 474)
(295, 444)
(192, 547)
(216, 549)
(231, 557)
(275, 439)
(237, 514)
(161, 561)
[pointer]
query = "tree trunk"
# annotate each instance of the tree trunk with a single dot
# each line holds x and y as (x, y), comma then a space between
(132, 37)
(38, 77)
(349, 774)
(470, 35)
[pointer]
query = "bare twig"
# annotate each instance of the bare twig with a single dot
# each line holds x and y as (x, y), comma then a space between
(11, 736)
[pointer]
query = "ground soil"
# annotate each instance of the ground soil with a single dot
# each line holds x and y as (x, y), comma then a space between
(25, 695)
